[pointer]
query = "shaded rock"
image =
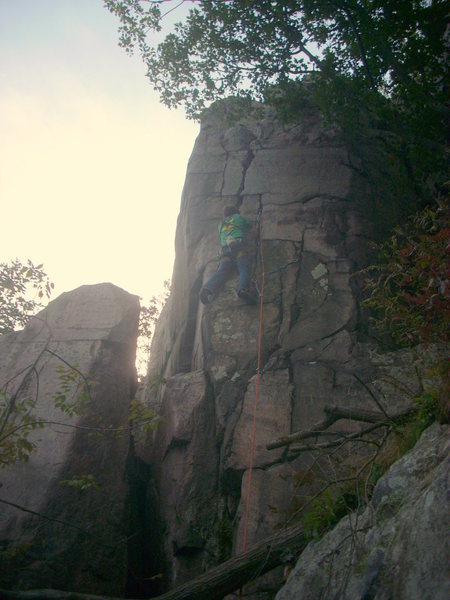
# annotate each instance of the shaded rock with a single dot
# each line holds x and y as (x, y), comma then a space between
(185, 464)
(94, 329)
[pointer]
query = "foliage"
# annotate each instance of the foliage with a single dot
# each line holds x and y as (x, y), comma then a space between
(426, 415)
(22, 287)
(410, 285)
(343, 466)
(155, 381)
(74, 391)
(142, 417)
(81, 482)
(17, 423)
(432, 405)
(408, 292)
(327, 510)
(242, 48)
(377, 68)
(18, 403)
(147, 320)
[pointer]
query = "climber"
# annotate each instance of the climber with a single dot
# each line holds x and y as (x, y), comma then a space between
(234, 230)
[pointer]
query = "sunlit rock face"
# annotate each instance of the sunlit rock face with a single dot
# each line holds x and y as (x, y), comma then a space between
(399, 547)
(87, 335)
(316, 226)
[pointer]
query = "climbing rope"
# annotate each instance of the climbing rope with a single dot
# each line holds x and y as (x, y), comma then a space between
(258, 373)
(257, 251)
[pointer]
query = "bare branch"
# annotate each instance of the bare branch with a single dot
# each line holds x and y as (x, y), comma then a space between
(41, 516)
(372, 395)
(335, 414)
(60, 522)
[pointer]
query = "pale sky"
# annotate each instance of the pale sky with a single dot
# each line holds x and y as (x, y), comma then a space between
(91, 164)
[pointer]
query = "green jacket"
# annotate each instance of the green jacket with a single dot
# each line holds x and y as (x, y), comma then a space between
(234, 226)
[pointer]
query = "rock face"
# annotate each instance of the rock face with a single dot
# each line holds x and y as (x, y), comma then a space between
(87, 335)
(316, 224)
(399, 547)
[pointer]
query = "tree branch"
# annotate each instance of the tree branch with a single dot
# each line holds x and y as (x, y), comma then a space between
(335, 414)
(61, 522)
(41, 516)
(359, 41)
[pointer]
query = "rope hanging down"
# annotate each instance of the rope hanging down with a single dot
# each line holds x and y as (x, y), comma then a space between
(258, 373)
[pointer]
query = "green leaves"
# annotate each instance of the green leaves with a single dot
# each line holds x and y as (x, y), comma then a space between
(368, 65)
(74, 390)
(147, 320)
(19, 410)
(22, 287)
(241, 47)
(81, 482)
(16, 424)
(326, 510)
(142, 417)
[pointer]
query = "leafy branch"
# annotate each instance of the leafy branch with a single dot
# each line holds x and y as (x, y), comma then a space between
(408, 289)
(23, 288)
(147, 320)
(17, 419)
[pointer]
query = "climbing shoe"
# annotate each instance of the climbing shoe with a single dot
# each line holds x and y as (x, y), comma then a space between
(247, 296)
(206, 297)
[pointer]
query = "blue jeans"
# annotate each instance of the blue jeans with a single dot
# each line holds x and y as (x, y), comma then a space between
(226, 265)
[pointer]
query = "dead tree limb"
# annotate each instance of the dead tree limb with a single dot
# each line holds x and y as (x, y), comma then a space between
(342, 439)
(335, 414)
(368, 416)
(215, 583)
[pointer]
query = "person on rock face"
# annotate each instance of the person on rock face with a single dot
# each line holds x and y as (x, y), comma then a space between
(233, 230)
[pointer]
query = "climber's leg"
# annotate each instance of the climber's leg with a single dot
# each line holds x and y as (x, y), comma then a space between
(244, 288)
(243, 265)
(216, 281)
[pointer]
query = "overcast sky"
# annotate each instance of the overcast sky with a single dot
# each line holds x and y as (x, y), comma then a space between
(91, 165)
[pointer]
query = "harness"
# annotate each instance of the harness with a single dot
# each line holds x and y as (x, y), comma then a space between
(234, 249)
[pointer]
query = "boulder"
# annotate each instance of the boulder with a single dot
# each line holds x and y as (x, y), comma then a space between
(398, 547)
(82, 345)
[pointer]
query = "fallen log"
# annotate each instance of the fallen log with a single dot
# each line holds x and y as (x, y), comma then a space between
(215, 583)
(51, 595)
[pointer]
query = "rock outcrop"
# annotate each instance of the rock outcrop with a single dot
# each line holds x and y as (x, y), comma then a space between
(317, 220)
(81, 346)
(399, 547)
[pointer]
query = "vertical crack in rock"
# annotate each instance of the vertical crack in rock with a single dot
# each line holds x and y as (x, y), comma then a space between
(144, 533)
(245, 167)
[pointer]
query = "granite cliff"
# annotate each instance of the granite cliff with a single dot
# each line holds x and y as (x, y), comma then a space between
(319, 197)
